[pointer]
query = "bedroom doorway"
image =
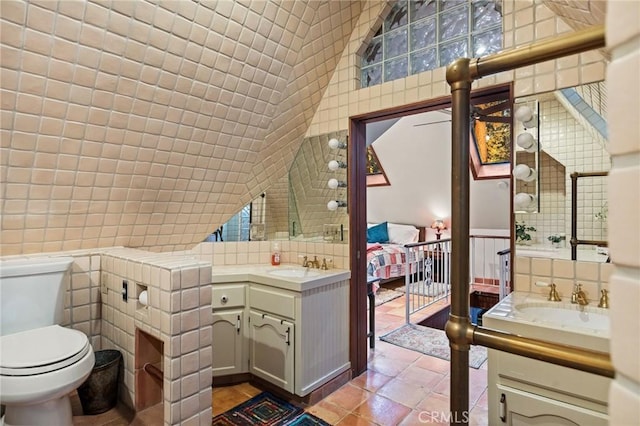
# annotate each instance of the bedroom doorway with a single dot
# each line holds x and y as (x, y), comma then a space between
(360, 126)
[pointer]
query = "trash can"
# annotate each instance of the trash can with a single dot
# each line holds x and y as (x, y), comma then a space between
(99, 393)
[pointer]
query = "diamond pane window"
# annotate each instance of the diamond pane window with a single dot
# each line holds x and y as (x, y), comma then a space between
(420, 35)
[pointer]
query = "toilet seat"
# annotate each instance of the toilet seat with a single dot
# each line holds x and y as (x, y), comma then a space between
(41, 350)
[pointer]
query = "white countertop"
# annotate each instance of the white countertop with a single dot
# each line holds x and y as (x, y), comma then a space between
(586, 255)
(584, 326)
(304, 278)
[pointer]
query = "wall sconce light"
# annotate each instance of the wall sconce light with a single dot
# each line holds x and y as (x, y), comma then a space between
(525, 115)
(524, 172)
(335, 165)
(336, 144)
(524, 201)
(335, 183)
(439, 226)
(527, 142)
(334, 204)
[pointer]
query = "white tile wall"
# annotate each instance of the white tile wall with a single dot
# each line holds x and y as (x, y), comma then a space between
(623, 31)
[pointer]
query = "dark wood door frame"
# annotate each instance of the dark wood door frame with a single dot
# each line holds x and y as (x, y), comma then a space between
(357, 209)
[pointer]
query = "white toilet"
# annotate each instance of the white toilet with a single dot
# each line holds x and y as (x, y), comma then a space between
(40, 361)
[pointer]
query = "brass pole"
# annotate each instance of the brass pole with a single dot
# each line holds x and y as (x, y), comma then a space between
(545, 50)
(459, 78)
(460, 75)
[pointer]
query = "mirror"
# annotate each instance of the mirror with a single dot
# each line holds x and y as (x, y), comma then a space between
(317, 190)
(572, 139)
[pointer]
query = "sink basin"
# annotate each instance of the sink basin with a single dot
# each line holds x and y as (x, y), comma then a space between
(294, 273)
(564, 315)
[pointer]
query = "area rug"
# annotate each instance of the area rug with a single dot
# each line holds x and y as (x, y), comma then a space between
(266, 409)
(430, 341)
(384, 295)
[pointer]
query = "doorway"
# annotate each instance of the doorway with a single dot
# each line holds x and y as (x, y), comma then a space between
(357, 202)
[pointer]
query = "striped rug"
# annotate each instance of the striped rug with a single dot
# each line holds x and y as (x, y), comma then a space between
(268, 410)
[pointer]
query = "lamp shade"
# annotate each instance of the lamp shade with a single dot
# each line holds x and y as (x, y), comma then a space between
(438, 225)
(524, 172)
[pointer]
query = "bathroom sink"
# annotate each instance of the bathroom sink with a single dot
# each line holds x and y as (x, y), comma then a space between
(564, 315)
(294, 273)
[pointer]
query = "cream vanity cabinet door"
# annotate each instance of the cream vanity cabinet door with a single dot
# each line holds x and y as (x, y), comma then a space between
(230, 349)
(271, 353)
(520, 408)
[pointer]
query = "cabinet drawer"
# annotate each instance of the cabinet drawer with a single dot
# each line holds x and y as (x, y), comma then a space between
(227, 296)
(273, 301)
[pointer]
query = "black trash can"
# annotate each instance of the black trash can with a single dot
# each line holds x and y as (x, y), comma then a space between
(99, 393)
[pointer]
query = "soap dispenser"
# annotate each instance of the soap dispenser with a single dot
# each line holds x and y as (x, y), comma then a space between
(275, 254)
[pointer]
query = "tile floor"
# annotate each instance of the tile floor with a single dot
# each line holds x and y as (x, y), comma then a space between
(401, 387)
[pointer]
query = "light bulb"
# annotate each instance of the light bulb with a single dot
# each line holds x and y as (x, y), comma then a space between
(524, 113)
(527, 142)
(523, 201)
(524, 172)
(531, 123)
(333, 183)
(332, 205)
(335, 165)
(336, 144)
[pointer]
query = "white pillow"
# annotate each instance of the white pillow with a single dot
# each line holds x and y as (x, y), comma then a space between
(402, 234)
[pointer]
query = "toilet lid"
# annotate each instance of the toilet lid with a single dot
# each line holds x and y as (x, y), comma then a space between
(41, 350)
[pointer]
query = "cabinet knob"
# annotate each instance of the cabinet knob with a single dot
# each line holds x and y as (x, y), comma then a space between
(224, 299)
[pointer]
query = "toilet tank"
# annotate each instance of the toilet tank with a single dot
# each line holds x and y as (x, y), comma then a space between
(32, 293)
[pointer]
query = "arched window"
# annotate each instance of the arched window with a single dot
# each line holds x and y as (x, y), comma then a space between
(420, 35)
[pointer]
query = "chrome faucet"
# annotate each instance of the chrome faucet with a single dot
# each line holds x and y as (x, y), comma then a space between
(315, 263)
(579, 296)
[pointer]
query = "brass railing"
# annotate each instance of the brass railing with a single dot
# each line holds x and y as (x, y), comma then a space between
(574, 213)
(461, 333)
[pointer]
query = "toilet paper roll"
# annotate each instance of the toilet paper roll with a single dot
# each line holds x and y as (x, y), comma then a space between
(143, 298)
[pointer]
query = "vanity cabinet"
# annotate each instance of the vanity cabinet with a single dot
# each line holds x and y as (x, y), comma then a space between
(525, 391)
(230, 346)
(271, 348)
(296, 336)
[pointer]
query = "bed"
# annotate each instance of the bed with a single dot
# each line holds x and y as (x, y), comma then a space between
(385, 249)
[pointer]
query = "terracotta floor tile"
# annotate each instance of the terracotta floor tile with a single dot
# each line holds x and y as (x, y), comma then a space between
(328, 412)
(422, 418)
(348, 397)
(382, 410)
(386, 366)
(479, 417)
(434, 364)
(353, 420)
(421, 377)
(370, 380)
(406, 393)
(435, 403)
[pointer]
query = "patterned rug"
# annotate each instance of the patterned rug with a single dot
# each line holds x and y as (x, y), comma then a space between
(384, 295)
(430, 341)
(269, 410)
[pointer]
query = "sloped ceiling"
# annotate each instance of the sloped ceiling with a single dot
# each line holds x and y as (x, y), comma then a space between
(148, 124)
(579, 14)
